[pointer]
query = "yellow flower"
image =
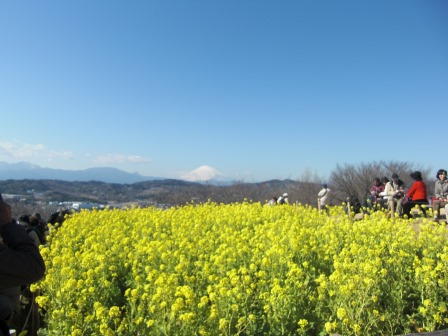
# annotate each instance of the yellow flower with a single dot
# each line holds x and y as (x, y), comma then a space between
(41, 300)
(187, 317)
(223, 323)
(328, 327)
(114, 311)
(341, 313)
(252, 318)
(302, 323)
(76, 332)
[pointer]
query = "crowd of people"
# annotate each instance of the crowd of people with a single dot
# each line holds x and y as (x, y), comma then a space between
(20, 263)
(23, 260)
(283, 199)
(393, 194)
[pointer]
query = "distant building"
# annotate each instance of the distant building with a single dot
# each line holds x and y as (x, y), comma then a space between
(14, 197)
(87, 206)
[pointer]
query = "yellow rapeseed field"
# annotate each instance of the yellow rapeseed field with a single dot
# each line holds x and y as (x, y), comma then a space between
(242, 269)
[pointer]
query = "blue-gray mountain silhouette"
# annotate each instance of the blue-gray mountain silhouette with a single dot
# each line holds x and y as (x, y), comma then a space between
(25, 170)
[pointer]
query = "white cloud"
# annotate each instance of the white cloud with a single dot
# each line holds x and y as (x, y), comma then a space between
(120, 159)
(202, 173)
(24, 151)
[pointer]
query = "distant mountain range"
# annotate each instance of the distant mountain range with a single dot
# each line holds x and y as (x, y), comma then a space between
(113, 186)
(25, 170)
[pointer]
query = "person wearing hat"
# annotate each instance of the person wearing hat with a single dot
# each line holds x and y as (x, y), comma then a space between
(416, 194)
(322, 196)
(20, 260)
(441, 193)
(283, 199)
(394, 191)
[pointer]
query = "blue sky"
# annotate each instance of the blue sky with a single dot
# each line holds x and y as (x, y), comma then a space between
(252, 90)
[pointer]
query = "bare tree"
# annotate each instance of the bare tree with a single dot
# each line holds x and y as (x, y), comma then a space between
(343, 180)
(308, 187)
(21, 208)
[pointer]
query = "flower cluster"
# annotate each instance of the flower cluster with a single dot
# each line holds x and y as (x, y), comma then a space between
(242, 268)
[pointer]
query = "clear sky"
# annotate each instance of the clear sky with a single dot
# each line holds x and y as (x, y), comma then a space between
(253, 89)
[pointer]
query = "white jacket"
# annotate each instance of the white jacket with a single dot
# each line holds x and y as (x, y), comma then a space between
(323, 195)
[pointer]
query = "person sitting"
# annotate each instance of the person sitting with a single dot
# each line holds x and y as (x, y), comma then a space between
(375, 192)
(273, 201)
(395, 191)
(353, 205)
(384, 181)
(416, 194)
(384, 198)
(441, 193)
(446, 212)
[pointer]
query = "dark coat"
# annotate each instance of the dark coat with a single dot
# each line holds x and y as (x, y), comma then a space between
(20, 260)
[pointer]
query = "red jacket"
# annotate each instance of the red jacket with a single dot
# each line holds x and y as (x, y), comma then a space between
(418, 191)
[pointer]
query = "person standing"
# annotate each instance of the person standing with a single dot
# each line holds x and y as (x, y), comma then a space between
(441, 193)
(322, 196)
